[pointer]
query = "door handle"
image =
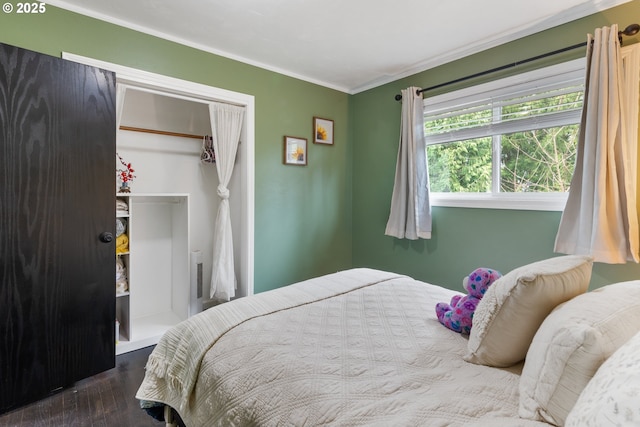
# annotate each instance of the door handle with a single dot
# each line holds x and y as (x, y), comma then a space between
(106, 237)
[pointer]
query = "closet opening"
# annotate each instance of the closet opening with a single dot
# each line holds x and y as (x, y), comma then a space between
(161, 122)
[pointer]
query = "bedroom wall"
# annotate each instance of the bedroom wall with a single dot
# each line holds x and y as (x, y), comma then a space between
(463, 239)
(302, 214)
(306, 218)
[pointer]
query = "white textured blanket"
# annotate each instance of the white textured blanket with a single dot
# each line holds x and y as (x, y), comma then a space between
(356, 348)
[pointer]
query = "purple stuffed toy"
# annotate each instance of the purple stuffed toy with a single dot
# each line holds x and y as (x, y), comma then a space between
(458, 315)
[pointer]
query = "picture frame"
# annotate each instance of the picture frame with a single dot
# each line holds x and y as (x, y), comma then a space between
(322, 131)
(295, 151)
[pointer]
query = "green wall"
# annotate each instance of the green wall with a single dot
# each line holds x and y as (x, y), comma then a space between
(302, 214)
(462, 239)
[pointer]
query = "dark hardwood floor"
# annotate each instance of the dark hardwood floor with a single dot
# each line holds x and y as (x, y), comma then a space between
(107, 399)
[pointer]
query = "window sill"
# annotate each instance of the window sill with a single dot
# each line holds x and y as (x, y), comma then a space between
(514, 201)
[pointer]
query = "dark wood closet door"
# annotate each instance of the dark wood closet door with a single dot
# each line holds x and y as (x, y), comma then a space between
(57, 178)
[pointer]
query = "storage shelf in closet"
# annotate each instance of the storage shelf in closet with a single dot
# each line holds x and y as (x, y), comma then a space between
(157, 267)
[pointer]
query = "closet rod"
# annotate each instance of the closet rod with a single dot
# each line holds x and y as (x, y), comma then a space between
(161, 132)
(629, 31)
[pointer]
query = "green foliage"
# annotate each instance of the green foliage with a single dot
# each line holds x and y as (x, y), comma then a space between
(540, 160)
(460, 166)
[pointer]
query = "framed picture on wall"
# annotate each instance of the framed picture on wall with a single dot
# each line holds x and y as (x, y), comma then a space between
(322, 131)
(295, 151)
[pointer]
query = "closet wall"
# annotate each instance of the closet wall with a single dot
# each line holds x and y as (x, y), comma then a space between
(171, 164)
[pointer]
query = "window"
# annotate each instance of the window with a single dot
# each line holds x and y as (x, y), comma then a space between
(510, 143)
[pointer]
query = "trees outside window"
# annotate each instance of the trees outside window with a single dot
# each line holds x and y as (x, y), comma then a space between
(514, 135)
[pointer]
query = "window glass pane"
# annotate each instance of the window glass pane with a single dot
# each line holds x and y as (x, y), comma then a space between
(457, 120)
(463, 166)
(537, 105)
(538, 161)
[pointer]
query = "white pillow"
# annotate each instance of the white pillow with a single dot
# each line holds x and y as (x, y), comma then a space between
(570, 346)
(515, 305)
(612, 396)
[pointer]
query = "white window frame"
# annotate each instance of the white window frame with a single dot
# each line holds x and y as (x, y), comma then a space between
(567, 71)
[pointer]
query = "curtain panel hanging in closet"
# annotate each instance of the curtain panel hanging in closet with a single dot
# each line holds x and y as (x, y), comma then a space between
(226, 125)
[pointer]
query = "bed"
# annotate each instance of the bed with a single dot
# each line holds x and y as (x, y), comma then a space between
(360, 347)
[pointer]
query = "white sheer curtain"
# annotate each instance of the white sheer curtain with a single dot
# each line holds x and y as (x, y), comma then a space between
(410, 216)
(226, 125)
(601, 218)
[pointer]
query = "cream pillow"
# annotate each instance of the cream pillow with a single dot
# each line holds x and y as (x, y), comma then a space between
(570, 346)
(612, 396)
(515, 305)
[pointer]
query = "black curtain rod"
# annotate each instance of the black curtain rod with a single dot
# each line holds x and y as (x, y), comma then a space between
(629, 31)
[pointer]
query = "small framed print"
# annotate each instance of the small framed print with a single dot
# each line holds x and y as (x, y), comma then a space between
(295, 151)
(322, 131)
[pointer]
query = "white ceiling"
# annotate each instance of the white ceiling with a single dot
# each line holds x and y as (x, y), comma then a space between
(348, 45)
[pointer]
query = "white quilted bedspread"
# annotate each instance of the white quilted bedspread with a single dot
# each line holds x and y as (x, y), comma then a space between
(372, 355)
